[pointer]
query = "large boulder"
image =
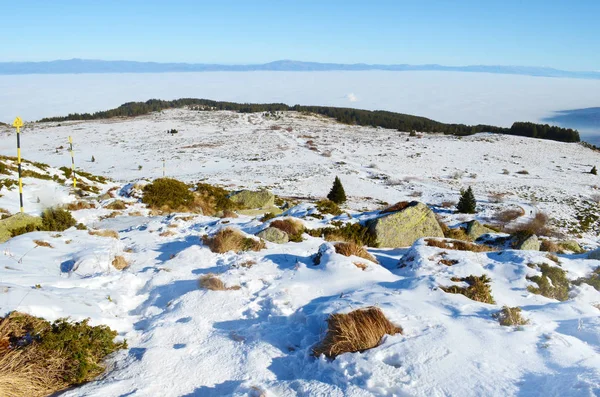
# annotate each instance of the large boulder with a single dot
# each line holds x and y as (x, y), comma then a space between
(404, 227)
(530, 243)
(253, 199)
(15, 222)
(571, 245)
(274, 235)
(476, 230)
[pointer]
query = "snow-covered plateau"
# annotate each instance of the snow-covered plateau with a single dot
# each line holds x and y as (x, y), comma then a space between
(257, 340)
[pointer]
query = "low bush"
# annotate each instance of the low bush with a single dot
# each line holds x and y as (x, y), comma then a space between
(357, 331)
(119, 262)
(57, 220)
(80, 205)
(213, 199)
(268, 216)
(293, 227)
(229, 214)
(593, 279)
(328, 207)
(537, 225)
(353, 249)
(399, 206)
(230, 239)
(478, 288)
(550, 246)
(510, 316)
(105, 233)
(553, 283)
(167, 194)
(116, 205)
(38, 358)
(508, 215)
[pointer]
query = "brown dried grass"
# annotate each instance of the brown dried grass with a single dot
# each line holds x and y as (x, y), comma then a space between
(119, 262)
(356, 331)
(399, 206)
(229, 214)
(292, 227)
(105, 233)
(353, 249)
(230, 239)
(211, 282)
(41, 243)
(116, 205)
(458, 245)
(80, 205)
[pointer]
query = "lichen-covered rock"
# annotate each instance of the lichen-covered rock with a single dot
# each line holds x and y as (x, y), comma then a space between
(253, 199)
(404, 227)
(476, 230)
(531, 243)
(571, 245)
(15, 222)
(274, 235)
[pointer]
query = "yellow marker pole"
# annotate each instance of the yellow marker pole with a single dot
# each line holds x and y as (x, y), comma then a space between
(18, 123)
(72, 163)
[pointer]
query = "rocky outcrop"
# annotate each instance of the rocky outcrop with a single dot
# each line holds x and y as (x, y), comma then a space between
(570, 245)
(476, 230)
(15, 222)
(253, 199)
(530, 243)
(404, 227)
(274, 235)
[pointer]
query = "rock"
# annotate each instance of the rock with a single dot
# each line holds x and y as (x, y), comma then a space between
(404, 227)
(531, 243)
(595, 254)
(476, 230)
(274, 235)
(571, 245)
(104, 197)
(15, 222)
(253, 199)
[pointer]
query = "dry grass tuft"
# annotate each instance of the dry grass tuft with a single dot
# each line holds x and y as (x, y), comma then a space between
(116, 205)
(458, 245)
(478, 288)
(230, 239)
(213, 283)
(353, 249)
(508, 215)
(510, 316)
(167, 233)
(550, 246)
(361, 266)
(293, 227)
(41, 243)
(80, 205)
(399, 206)
(105, 233)
(229, 214)
(356, 331)
(119, 262)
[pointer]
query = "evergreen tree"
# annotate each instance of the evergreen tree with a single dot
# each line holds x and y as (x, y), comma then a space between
(337, 193)
(93, 159)
(594, 171)
(467, 202)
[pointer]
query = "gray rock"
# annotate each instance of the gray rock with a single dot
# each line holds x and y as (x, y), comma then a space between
(404, 227)
(274, 235)
(253, 199)
(531, 243)
(571, 245)
(595, 254)
(476, 230)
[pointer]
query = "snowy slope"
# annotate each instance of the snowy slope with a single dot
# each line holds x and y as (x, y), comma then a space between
(187, 341)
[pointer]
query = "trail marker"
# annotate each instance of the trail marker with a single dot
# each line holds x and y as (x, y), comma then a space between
(18, 123)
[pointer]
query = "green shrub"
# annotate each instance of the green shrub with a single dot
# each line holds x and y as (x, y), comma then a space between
(510, 316)
(478, 288)
(467, 203)
(32, 227)
(594, 171)
(553, 283)
(267, 216)
(167, 192)
(56, 220)
(337, 193)
(328, 207)
(349, 232)
(213, 199)
(593, 279)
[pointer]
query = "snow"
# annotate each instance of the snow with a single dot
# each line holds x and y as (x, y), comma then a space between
(186, 341)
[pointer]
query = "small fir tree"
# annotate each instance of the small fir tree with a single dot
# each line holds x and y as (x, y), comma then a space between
(93, 159)
(594, 171)
(337, 193)
(467, 202)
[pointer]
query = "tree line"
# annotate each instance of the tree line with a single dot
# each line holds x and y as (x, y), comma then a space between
(376, 118)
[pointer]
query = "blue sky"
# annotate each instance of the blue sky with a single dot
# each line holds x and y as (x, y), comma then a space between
(561, 34)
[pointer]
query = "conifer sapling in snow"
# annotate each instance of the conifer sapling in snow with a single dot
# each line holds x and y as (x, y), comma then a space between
(337, 193)
(467, 202)
(594, 171)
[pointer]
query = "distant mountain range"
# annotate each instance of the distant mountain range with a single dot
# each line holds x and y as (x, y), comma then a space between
(97, 66)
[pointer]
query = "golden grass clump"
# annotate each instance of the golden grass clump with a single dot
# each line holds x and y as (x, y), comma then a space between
(550, 246)
(80, 205)
(478, 288)
(353, 249)
(230, 239)
(399, 206)
(42, 243)
(293, 227)
(357, 331)
(104, 233)
(211, 282)
(510, 316)
(119, 262)
(116, 205)
(229, 214)
(458, 245)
